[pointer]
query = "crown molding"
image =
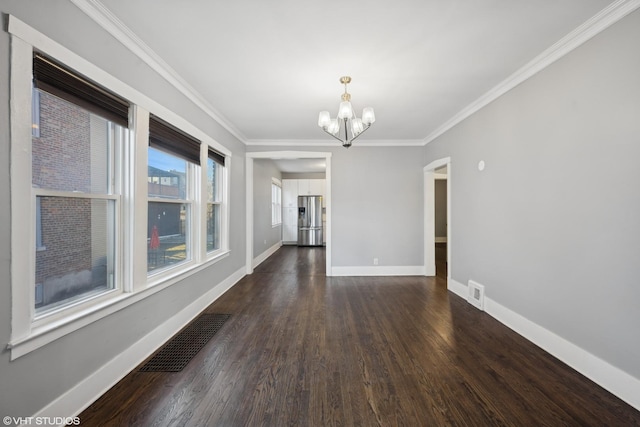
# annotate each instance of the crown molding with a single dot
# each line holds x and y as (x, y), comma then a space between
(599, 22)
(602, 20)
(114, 26)
(330, 143)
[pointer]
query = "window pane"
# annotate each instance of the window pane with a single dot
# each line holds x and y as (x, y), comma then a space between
(212, 182)
(167, 235)
(276, 204)
(213, 227)
(167, 175)
(72, 151)
(79, 256)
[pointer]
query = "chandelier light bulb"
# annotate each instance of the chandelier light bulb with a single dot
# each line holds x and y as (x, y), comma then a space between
(345, 111)
(368, 116)
(324, 119)
(356, 126)
(334, 126)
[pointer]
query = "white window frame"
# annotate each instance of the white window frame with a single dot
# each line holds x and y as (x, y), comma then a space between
(222, 176)
(28, 333)
(276, 202)
(192, 244)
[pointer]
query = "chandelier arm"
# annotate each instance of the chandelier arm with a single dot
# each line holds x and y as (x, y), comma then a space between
(329, 133)
(363, 131)
(346, 134)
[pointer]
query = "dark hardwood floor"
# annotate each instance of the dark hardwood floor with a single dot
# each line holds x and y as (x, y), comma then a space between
(302, 349)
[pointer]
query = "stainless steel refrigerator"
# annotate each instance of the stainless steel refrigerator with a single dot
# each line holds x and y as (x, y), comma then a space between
(310, 221)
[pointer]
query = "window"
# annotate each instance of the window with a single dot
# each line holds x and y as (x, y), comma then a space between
(215, 167)
(172, 157)
(276, 202)
(105, 212)
(74, 157)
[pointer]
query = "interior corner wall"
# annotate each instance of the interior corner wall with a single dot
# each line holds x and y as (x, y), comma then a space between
(550, 227)
(265, 236)
(36, 379)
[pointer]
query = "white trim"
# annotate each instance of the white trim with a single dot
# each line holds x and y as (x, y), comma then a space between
(248, 214)
(266, 254)
(95, 10)
(618, 382)
(250, 156)
(54, 330)
(22, 233)
(599, 22)
(379, 270)
(332, 143)
(78, 398)
(457, 288)
(441, 239)
(137, 214)
(429, 215)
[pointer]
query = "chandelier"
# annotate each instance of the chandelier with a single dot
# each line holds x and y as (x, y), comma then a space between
(346, 127)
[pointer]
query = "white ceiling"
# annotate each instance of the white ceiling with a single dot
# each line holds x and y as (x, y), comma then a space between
(266, 68)
(300, 165)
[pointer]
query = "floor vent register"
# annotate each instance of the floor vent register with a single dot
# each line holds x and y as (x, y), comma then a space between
(180, 349)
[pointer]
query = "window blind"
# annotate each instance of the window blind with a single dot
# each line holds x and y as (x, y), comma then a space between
(166, 137)
(216, 157)
(55, 78)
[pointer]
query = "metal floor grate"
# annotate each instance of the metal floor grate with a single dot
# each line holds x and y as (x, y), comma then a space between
(177, 353)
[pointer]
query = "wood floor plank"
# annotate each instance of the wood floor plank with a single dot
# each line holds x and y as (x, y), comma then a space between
(303, 349)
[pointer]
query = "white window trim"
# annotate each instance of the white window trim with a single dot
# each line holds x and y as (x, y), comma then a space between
(278, 208)
(224, 201)
(192, 236)
(26, 335)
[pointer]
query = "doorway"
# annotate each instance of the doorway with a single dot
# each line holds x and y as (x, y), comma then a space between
(436, 170)
(249, 197)
(440, 218)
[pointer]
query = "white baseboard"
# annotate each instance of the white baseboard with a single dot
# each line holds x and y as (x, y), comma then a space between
(441, 239)
(266, 254)
(75, 400)
(379, 270)
(457, 288)
(616, 381)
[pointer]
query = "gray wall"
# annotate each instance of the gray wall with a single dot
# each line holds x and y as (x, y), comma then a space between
(377, 204)
(264, 235)
(440, 214)
(34, 380)
(306, 175)
(551, 226)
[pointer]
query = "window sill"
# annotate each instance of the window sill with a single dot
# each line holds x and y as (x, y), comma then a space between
(51, 331)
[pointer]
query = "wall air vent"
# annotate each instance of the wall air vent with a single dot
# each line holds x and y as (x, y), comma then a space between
(475, 295)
